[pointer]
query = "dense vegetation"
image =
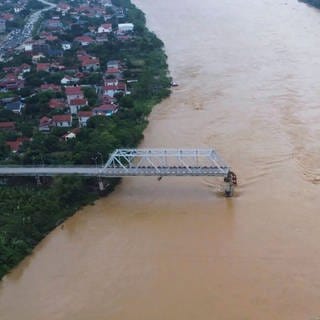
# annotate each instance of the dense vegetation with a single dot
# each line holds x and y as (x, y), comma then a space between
(29, 212)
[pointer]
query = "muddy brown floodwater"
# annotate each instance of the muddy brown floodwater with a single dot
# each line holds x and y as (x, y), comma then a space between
(249, 75)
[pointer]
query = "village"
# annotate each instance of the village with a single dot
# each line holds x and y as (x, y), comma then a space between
(55, 80)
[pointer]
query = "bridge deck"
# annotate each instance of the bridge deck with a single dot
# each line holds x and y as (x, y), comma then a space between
(137, 162)
(114, 172)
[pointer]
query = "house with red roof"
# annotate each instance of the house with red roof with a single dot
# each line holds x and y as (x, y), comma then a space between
(47, 36)
(71, 134)
(113, 73)
(7, 126)
(73, 93)
(105, 110)
(105, 28)
(83, 117)
(76, 104)
(114, 70)
(50, 87)
(113, 86)
(43, 67)
(62, 120)
(55, 66)
(15, 145)
(89, 63)
(84, 40)
(57, 104)
(45, 124)
(11, 82)
(7, 16)
(25, 68)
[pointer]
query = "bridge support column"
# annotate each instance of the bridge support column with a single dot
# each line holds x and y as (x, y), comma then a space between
(101, 185)
(38, 180)
(231, 181)
(229, 190)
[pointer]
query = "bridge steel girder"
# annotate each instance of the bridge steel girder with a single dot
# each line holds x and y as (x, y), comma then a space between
(137, 162)
(181, 162)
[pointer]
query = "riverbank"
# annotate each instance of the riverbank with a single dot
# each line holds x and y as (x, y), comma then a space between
(25, 223)
(314, 3)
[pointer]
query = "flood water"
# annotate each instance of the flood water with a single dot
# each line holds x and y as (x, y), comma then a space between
(249, 75)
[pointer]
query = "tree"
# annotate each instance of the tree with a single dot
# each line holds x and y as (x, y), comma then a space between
(91, 95)
(97, 122)
(4, 148)
(126, 102)
(94, 78)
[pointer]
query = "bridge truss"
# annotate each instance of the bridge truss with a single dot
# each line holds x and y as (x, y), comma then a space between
(140, 162)
(166, 162)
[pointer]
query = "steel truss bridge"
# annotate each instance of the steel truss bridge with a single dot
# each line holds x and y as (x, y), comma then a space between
(140, 162)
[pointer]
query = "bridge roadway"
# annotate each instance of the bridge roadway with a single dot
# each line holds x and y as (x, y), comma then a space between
(137, 162)
(140, 162)
(113, 172)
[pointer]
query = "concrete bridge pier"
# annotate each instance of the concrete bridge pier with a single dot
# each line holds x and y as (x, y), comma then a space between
(101, 185)
(231, 182)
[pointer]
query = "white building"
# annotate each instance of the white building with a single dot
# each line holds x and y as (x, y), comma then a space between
(66, 46)
(67, 80)
(76, 104)
(28, 45)
(83, 117)
(62, 120)
(105, 28)
(125, 27)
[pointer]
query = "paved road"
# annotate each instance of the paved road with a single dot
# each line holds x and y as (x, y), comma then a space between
(16, 37)
(114, 172)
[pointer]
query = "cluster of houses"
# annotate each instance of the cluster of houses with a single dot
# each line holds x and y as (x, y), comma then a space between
(75, 101)
(12, 9)
(47, 51)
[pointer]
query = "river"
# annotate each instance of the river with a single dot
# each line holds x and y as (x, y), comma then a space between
(176, 249)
